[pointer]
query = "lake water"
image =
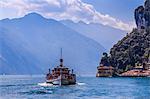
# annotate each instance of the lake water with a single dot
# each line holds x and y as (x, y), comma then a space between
(32, 87)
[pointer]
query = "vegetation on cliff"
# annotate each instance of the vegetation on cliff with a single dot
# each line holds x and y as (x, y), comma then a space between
(131, 50)
(134, 48)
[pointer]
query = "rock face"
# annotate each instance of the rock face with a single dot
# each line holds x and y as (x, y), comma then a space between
(147, 12)
(134, 48)
(142, 15)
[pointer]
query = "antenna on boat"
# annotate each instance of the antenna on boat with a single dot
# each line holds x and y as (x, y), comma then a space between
(61, 59)
(61, 53)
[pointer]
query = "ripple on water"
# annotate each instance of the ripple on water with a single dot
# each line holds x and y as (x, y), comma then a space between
(86, 88)
(18, 85)
(37, 92)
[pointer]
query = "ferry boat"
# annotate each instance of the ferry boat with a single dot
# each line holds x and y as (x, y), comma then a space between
(105, 71)
(61, 75)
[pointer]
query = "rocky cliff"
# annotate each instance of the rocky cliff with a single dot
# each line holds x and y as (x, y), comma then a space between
(142, 15)
(134, 48)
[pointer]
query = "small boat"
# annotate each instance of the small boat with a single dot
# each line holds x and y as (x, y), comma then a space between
(61, 75)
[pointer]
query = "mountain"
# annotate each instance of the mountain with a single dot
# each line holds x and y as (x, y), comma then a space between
(105, 35)
(31, 45)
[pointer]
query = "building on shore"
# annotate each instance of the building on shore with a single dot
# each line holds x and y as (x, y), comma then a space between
(138, 71)
(147, 66)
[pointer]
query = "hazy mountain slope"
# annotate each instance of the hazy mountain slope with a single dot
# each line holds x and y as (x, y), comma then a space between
(14, 59)
(33, 42)
(105, 35)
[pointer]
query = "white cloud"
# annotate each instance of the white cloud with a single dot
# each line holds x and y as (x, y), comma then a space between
(75, 10)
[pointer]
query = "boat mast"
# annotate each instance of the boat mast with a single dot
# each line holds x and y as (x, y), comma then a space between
(61, 59)
(61, 65)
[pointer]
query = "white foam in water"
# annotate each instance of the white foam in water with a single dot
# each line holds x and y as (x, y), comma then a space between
(48, 85)
(81, 84)
(45, 84)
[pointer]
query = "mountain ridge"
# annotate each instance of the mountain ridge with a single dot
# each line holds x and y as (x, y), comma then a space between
(42, 39)
(98, 32)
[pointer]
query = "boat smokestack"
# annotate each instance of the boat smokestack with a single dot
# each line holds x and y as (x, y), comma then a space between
(49, 70)
(72, 71)
(61, 59)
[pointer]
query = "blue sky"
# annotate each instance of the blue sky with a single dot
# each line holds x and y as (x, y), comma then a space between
(122, 9)
(118, 14)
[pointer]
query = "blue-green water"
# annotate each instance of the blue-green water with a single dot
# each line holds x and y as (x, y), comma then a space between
(27, 87)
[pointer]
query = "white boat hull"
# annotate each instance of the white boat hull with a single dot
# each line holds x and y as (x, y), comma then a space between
(60, 82)
(54, 81)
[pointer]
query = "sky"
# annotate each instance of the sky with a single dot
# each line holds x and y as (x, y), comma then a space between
(118, 14)
(122, 9)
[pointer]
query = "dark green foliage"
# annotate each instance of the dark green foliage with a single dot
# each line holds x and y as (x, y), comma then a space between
(105, 60)
(132, 49)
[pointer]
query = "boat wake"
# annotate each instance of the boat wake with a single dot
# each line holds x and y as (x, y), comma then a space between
(45, 84)
(81, 84)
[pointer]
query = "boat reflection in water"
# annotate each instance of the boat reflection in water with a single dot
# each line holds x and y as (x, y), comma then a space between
(61, 75)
